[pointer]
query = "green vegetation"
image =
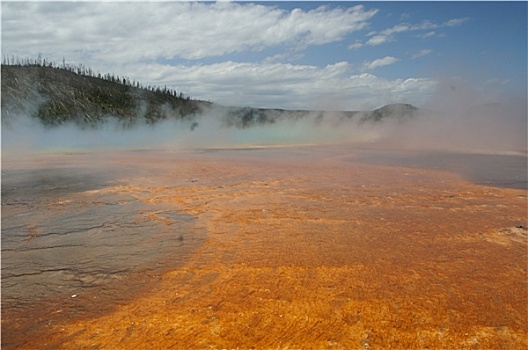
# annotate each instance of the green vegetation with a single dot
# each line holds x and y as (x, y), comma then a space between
(60, 94)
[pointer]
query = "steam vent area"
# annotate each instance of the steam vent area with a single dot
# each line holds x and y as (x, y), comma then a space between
(285, 247)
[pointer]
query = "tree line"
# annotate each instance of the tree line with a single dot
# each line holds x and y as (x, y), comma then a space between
(82, 70)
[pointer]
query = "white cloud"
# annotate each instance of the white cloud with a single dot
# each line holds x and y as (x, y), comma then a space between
(379, 39)
(150, 30)
(425, 25)
(388, 35)
(280, 85)
(427, 35)
(399, 28)
(137, 40)
(421, 53)
(356, 45)
(380, 62)
(455, 22)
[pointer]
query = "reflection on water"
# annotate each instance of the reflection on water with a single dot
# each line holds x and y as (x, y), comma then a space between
(509, 171)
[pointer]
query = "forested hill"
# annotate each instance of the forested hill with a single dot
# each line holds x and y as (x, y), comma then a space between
(57, 95)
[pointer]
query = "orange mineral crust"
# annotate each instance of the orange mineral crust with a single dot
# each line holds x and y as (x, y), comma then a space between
(300, 248)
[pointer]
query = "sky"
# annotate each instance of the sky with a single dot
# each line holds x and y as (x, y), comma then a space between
(289, 55)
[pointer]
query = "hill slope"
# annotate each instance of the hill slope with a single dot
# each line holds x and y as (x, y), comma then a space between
(400, 111)
(57, 96)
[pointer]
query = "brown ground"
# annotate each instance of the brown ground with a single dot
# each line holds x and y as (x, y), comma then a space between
(312, 251)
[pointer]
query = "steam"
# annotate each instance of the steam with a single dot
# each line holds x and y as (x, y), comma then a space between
(22, 134)
(462, 118)
(458, 118)
(25, 134)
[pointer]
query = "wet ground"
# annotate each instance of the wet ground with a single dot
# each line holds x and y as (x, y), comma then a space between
(297, 247)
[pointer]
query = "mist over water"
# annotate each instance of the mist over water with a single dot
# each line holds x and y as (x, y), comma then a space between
(477, 131)
(458, 118)
(23, 135)
(463, 118)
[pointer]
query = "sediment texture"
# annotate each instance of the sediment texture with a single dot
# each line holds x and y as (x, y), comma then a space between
(309, 249)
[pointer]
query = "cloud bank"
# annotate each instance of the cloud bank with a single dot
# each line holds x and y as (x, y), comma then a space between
(333, 87)
(152, 30)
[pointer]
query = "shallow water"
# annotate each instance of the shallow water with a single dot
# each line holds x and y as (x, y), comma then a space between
(500, 170)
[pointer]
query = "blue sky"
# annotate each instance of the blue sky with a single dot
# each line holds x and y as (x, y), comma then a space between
(307, 55)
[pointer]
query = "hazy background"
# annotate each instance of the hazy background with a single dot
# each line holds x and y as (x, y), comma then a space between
(460, 126)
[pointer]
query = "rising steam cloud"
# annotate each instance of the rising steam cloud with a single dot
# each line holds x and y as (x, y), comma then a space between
(456, 119)
(461, 118)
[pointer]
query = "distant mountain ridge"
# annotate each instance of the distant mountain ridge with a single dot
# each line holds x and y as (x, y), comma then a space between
(399, 111)
(56, 96)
